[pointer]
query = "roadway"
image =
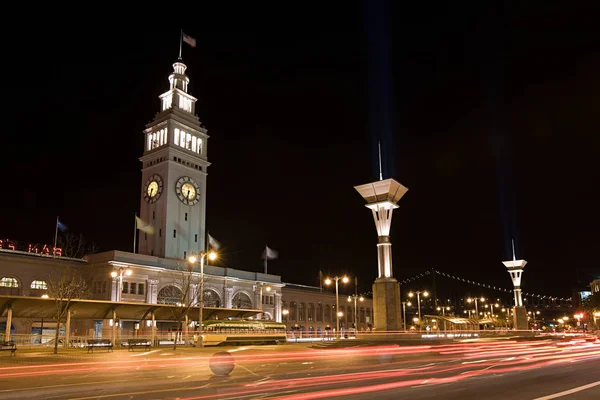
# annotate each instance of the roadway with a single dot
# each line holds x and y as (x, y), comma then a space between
(495, 369)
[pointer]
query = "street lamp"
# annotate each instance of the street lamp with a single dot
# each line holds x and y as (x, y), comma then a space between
(119, 273)
(337, 297)
(359, 298)
(470, 300)
(192, 259)
(418, 292)
(443, 309)
(404, 304)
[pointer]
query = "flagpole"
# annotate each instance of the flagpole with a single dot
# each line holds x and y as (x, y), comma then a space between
(180, 40)
(266, 257)
(134, 232)
(55, 238)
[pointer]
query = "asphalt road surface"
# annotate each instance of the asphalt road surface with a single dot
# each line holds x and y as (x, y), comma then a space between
(540, 369)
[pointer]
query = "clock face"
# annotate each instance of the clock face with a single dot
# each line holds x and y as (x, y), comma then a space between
(153, 188)
(187, 190)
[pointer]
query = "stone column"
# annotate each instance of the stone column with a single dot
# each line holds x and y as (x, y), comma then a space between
(68, 329)
(278, 307)
(8, 324)
(152, 291)
(227, 296)
(115, 288)
(153, 331)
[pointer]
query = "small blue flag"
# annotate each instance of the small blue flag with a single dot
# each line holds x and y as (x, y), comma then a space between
(62, 227)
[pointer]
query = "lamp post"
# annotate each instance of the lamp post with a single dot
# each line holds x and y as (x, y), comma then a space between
(418, 292)
(119, 273)
(404, 304)
(192, 259)
(443, 309)
(359, 298)
(337, 297)
(470, 300)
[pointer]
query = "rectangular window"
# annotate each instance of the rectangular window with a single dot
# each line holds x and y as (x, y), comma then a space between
(132, 288)
(174, 233)
(184, 255)
(145, 236)
(153, 215)
(186, 216)
(160, 232)
(140, 288)
(196, 238)
(125, 287)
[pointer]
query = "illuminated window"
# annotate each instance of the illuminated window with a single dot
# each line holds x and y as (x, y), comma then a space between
(194, 144)
(188, 141)
(9, 282)
(42, 285)
(176, 136)
(199, 146)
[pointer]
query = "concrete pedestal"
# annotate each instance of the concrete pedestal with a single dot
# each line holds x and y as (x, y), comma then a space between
(386, 305)
(520, 318)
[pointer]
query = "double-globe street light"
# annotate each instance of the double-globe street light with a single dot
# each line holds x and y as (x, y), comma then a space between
(443, 310)
(425, 293)
(193, 258)
(119, 273)
(359, 298)
(470, 300)
(404, 304)
(338, 313)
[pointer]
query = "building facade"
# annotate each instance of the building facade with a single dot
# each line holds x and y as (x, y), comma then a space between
(172, 228)
(311, 310)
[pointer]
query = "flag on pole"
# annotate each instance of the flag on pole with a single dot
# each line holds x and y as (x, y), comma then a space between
(144, 226)
(60, 226)
(189, 40)
(213, 243)
(270, 254)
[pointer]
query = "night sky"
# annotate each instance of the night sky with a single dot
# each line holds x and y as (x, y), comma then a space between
(488, 114)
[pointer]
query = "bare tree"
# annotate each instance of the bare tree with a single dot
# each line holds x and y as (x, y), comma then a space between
(75, 246)
(183, 296)
(64, 286)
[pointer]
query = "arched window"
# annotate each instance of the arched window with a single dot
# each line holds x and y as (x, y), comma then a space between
(9, 286)
(327, 313)
(211, 298)
(9, 282)
(302, 312)
(169, 295)
(40, 285)
(241, 300)
(311, 312)
(319, 317)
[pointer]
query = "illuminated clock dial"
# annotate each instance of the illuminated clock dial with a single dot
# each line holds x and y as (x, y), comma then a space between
(187, 191)
(153, 188)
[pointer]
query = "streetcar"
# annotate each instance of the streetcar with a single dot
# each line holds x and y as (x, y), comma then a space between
(243, 332)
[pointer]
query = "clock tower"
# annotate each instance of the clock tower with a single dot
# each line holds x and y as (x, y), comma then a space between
(174, 171)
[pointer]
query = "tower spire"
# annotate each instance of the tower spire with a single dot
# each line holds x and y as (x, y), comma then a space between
(380, 173)
(180, 43)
